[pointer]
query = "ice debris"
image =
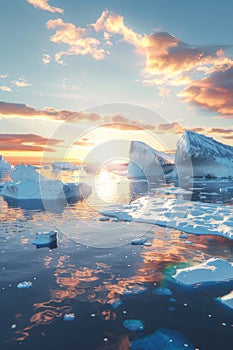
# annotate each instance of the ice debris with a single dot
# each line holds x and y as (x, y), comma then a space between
(24, 285)
(69, 317)
(45, 239)
(134, 325)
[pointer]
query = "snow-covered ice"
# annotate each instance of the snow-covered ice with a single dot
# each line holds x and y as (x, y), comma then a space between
(201, 156)
(213, 270)
(24, 285)
(187, 216)
(146, 162)
(29, 184)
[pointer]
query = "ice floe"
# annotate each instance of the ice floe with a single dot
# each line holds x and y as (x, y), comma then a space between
(45, 239)
(187, 216)
(213, 270)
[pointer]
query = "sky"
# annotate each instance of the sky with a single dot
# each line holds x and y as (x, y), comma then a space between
(80, 80)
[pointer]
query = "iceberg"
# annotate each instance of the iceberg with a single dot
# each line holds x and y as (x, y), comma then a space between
(201, 156)
(5, 167)
(65, 166)
(24, 285)
(213, 270)
(148, 163)
(28, 184)
(47, 239)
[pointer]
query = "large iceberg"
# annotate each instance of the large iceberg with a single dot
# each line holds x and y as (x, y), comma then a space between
(201, 156)
(28, 184)
(148, 163)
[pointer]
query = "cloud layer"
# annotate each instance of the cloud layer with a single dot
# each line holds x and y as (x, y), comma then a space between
(26, 142)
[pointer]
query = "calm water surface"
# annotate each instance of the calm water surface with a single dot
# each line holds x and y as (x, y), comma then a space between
(93, 265)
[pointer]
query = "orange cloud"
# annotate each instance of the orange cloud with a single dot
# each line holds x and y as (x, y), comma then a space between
(5, 88)
(110, 24)
(22, 110)
(43, 5)
(26, 142)
(214, 93)
(77, 40)
(123, 123)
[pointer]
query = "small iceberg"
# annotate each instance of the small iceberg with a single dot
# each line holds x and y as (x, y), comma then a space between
(65, 166)
(227, 300)
(139, 241)
(69, 317)
(133, 290)
(46, 239)
(134, 325)
(162, 339)
(213, 270)
(24, 285)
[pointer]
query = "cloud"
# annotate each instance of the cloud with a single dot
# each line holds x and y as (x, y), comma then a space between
(214, 93)
(125, 124)
(46, 59)
(20, 83)
(8, 109)
(43, 5)
(5, 88)
(109, 23)
(78, 40)
(3, 76)
(26, 142)
(84, 142)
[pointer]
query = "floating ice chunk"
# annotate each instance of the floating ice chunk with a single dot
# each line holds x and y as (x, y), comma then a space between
(227, 300)
(45, 239)
(69, 317)
(212, 270)
(147, 244)
(134, 325)
(139, 241)
(162, 339)
(24, 285)
(162, 291)
(104, 218)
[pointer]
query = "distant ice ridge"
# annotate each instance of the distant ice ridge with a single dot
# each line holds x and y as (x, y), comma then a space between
(187, 216)
(213, 270)
(227, 300)
(201, 156)
(64, 166)
(28, 184)
(146, 162)
(4, 165)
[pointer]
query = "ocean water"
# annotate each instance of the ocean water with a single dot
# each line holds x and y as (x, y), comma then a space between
(95, 273)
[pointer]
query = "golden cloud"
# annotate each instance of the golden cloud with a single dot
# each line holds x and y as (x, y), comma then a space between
(43, 5)
(26, 142)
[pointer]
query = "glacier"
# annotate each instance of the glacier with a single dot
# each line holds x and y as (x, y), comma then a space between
(148, 163)
(200, 156)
